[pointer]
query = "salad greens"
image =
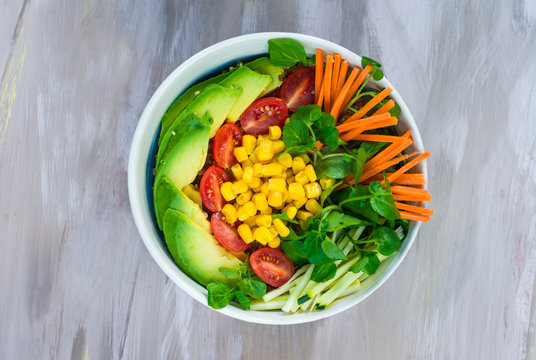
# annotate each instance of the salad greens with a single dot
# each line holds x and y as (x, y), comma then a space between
(287, 52)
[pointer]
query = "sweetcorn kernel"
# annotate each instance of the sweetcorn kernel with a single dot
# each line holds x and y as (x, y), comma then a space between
(246, 211)
(290, 179)
(247, 163)
(273, 231)
(260, 201)
(277, 185)
(275, 199)
(306, 158)
(313, 206)
(249, 142)
(281, 228)
(296, 191)
(297, 165)
(299, 203)
(250, 221)
(303, 215)
(285, 194)
(227, 191)
(267, 211)
(272, 169)
(274, 132)
(248, 175)
(275, 242)
(257, 169)
(263, 220)
(327, 183)
(245, 233)
(290, 211)
(265, 151)
(261, 138)
(310, 172)
(285, 160)
(301, 178)
(255, 183)
(278, 146)
(262, 235)
(230, 213)
(313, 190)
(239, 187)
(237, 171)
(253, 158)
(244, 197)
(240, 153)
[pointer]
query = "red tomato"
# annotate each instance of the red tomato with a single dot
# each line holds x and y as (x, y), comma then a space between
(210, 187)
(298, 88)
(272, 266)
(227, 137)
(263, 113)
(226, 234)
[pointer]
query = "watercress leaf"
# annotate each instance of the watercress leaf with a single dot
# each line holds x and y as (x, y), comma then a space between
(330, 137)
(325, 194)
(332, 250)
(324, 272)
(338, 220)
(378, 75)
(284, 217)
(372, 148)
(308, 114)
(359, 265)
(295, 251)
(219, 295)
(336, 166)
(395, 111)
(297, 137)
(253, 287)
(286, 52)
(387, 239)
(360, 208)
(242, 299)
(358, 163)
(382, 201)
(294, 236)
(372, 265)
(366, 60)
(230, 273)
(313, 248)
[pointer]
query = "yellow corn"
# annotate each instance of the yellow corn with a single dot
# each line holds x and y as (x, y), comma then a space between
(243, 198)
(295, 191)
(313, 206)
(263, 220)
(274, 132)
(303, 215)
(278, 146)
(264, 189)
(227, 191)
(278, 185)
(267, 211)
(272, 169)
(250, 221)
(246, 210)
(237, 171)
(261, 138)
(313, 190)
(230, 213)
(297, 165)
(301, 178)
(275, 242)
(289, 173)
(239, 187)
(253, 158)
(255, 183)
(327, 183)
(248, 175)
(290, 179)
(281, 228)
(306, 158)
(273, 231)
(290, 211)
(310, 172)
(285, 195)
(265, 151)
(260, 201)
(285, 160)
(240, 153)
(247, 163)
(257, 169)
(275, 199)
(262, 235)
(249, 142)
(245, 233)
(299, 203)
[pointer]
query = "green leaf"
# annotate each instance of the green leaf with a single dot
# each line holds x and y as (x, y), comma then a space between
(286, 52)
(338, 220)
(382, 201)
(297, 137)
(219, 295)
(368, 263)
(372, 148)
(242, 299)
(324, 272)
(387, 239)
(253, 287)
(378, 75)
(313, 248)
(395, 111)
(372, 265)
(307, 114)
(366, 60)
(284, 217)
(332, 250)
(294, 250)
(358, 163)
(325, 194)
(230, 273)
(330, 137)
(294, 236)
(336, 166)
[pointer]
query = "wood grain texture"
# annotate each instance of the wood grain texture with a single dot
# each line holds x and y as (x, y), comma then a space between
(75, 278)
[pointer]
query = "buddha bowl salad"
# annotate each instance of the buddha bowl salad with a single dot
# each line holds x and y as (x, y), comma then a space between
(281, 184)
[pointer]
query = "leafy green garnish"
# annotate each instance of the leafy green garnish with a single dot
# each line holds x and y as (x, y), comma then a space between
(331, 250)
(294, 250)
(326, 193)
(284, 217)
(358, 163)
(324, 272)
(338, 220)
(219, 295)
(368, 263)
(387, 240)
(382, 200)
(286, 52)
(376, 72)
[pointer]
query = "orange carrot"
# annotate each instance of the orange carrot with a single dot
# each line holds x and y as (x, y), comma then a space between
(410, 194)
(380, 167)
(413, 197)
(417, 217)
(407, 190)
(404, 179)
(327, 82)
(372, 102)
(349, 125)
(335, 76)
(408, 166)
(356, 84)
(342, 75)
(390, 151)
(319, 67)
(350, 135)
(386, 107)
(335, 109)
(415, 209)
(321, 95)
(378, 138)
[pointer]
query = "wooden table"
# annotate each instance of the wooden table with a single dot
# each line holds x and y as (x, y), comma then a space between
(75, 278)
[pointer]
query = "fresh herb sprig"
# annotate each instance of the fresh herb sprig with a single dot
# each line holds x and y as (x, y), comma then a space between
(287, 52)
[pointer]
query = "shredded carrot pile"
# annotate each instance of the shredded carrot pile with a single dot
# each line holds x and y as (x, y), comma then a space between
(336, 84)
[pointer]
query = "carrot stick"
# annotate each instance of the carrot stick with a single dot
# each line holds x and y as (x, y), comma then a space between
(349, 125)
(319, 67)
(390, 151)
(335, 110)
(350, 135)
(386, 107)
(408, 166)
(335, 77)
(373, 102)
(405, 197)
(342, 75)
(416, 217)
(378, 138)
(380, 167)
(321, 95)
(415, 209)
(356, 85)
(404, 179)
(327, 82)
(406, 190)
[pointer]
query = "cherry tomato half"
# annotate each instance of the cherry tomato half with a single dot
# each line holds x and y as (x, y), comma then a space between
(227, 138)
(226, 234)
(298, 88)
(210, 188)
(272, 266)
(263, 113)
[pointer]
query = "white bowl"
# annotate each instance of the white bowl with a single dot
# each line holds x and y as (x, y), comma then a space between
(142, 154)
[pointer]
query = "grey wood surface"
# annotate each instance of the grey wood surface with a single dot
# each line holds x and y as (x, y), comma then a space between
(75, 278)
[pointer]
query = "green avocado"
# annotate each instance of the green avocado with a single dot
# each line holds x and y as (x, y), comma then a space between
(195, 250)
(167, 196)
(186, 98)
(252, 84)
(185, 151)
(264, 66)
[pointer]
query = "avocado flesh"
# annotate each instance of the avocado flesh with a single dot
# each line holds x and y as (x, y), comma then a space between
(195, 250)
(185, 152)
(252, 84)
(182, 101)
(167, 196)
(264, 66)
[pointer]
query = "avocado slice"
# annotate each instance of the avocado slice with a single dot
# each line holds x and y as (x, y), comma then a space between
(185, 151)
(264, 66)
(196, 252)
(167, 196)
(253, 85)
(182, 101)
